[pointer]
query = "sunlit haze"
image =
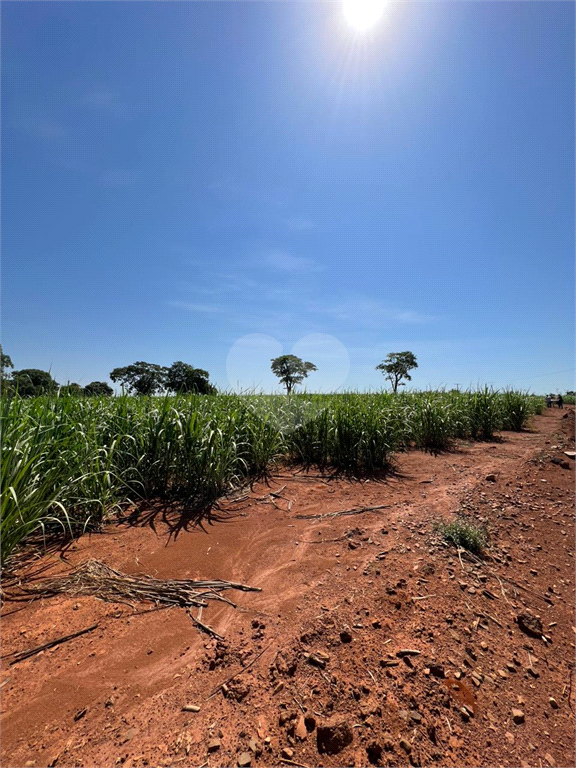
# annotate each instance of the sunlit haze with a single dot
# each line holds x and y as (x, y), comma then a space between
(362, 14)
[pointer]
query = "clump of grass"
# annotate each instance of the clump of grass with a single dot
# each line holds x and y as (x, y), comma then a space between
(465, 535)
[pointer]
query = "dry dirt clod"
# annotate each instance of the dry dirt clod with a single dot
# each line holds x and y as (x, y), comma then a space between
(245, 759)
(333, 735)
(406, 746)
(287, 753)
(529, 624)
(518, 716)
(300, 729)
(214, 745)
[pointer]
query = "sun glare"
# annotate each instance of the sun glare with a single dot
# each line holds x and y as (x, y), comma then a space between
(362, 14)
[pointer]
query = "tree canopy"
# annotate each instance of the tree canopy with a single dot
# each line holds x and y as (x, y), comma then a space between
(291, 370)
(182, 377)
(395, 367)
(96, 388)
(140, 378)
(148, 378)
(5, 362)
(31, 382)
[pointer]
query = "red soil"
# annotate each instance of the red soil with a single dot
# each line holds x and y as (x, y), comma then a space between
(385, 577)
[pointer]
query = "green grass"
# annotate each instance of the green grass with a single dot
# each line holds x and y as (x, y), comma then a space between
(67, 462)
(465, 535)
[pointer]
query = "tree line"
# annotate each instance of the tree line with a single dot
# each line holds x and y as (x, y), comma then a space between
(140, 378)
(143, 378)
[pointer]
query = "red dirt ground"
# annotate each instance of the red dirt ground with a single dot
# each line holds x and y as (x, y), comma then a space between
(385, 577)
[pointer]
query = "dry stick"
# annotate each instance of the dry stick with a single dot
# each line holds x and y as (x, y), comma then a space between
(33, 651)
(460, 558)
(232, 677)
(502, 588)
(291, 762)
(322, 541)
(487, 616)
(300, 707)
(205, 627)
(340, 514)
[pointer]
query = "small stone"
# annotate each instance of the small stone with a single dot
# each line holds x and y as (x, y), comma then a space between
(491, 478)
(518, 716)
(128, 735)
(214, 745)
(436, 669)
(345, 636)
(510, 737)
(407, 652)
(245, 760)
(254, 746)
(550, 760)
(287, 753)
(553, 703)
(29, 763)
(190, 708)
(465, 714)
(300, 730)
(278, 688)
(406, 746)
(416, 717)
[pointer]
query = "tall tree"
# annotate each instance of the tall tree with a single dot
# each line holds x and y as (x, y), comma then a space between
(141, 378)
(182, 377)
(96, 388)
(291, 370)
(396, 366)
(5, 362)
(31, 382)
(72, 389)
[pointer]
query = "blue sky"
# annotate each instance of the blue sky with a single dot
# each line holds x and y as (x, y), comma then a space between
(223, 182)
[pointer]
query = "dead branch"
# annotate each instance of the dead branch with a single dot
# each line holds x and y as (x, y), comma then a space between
(341, 514)
(204, 627)
(237, 674)
(33, 651)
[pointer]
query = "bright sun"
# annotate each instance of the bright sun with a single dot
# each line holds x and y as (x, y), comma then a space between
(362, 14)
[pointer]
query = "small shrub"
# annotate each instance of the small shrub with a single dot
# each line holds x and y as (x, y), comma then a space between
(465, 535)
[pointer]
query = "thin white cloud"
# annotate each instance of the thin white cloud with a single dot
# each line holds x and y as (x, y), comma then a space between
(367, 312)
(286, 262)
(191, 307)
